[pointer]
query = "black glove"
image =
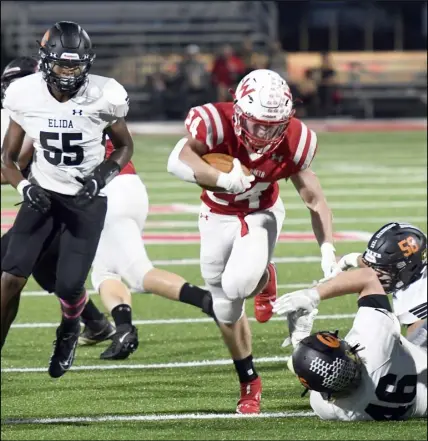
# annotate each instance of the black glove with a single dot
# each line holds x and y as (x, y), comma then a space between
(37, 198)
(97, 180)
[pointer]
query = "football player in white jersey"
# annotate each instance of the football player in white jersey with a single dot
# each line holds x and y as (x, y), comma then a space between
(65, 111)
(374, 373)
(397, 251)
(120, 253)
(46, 264)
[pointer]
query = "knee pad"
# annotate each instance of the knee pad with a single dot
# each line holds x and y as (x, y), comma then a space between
(135, 273)
(226, 311)
(69, 291)
(246, 265)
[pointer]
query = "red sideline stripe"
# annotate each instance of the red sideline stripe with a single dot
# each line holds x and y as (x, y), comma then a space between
(152, 209)
(195, 237)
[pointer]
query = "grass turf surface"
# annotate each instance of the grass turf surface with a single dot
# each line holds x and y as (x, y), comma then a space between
(369, 179)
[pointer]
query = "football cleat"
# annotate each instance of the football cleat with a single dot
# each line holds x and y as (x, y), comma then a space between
(125, 342)
(96, 331)
(251, 395)
(263, 309)
(64, 349)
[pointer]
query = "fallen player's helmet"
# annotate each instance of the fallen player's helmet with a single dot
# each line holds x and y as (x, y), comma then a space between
(325, 363)
(263, 108)
(398, 254)
(17, 68)
(66, 56)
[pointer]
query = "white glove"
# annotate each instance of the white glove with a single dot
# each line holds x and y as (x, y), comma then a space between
(349, 261)
(235, 181)
(299, 326)
(346, 262)
(328, 259)
(306, 299)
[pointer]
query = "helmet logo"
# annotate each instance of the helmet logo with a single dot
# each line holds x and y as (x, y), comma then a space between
(244, 89)
(45, 38)
(303, 381)
(329, 340)
(408, 246)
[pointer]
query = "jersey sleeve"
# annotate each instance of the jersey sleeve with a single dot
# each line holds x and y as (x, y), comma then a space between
(117, 100)
(303, 144)
(13, 97)
(204, 124)
(376, 330)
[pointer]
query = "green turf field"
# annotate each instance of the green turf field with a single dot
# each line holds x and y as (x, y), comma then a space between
(180, 383)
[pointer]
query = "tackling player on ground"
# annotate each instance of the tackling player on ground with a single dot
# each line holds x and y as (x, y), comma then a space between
(396, 253)
(241, 219)
(374, 372)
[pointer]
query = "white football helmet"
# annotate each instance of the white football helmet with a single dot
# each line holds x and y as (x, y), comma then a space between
(263, 107)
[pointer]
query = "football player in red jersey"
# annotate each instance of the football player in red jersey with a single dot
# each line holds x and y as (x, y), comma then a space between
(241, 219)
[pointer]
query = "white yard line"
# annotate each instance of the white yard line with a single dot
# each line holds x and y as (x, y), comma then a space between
(180, 321)
(161, 417)
(173, 365)
(92, 292)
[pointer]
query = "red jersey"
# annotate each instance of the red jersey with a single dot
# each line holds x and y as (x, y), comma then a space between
(129, 168)
(212, 125)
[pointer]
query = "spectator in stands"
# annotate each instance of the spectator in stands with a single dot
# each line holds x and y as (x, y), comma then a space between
(228, 68)
(308, 94)
(246, 53)
(194, 76)
(326, 85)
(277, 59)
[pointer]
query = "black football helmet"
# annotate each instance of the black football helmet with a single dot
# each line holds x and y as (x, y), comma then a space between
(66, 56)
(398, 254)
(327, 364)
(17, 68)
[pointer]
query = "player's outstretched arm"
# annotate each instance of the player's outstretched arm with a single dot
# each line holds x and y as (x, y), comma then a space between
(363, 281)
(309, 188)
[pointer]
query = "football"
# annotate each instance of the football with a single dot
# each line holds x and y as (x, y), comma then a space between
(222, 162)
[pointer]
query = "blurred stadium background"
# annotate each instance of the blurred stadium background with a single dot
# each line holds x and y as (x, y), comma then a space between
(361, 59)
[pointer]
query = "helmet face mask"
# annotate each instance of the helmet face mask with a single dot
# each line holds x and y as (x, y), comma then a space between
(66, 57)
(263, 108)
(397, 253)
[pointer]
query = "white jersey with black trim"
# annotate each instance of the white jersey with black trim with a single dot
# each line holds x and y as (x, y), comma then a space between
(68, 137)
(394, 378)
(410, 304)
(4, 123)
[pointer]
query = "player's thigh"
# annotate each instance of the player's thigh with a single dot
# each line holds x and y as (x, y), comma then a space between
(78, 244)
(252, 252)
(5, 239)
(44, 271)
(217, 234)
(121, 254)
(30, 233)
(127, 197)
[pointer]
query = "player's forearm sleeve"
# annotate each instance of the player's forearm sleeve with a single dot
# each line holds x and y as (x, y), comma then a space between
(177, 167)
